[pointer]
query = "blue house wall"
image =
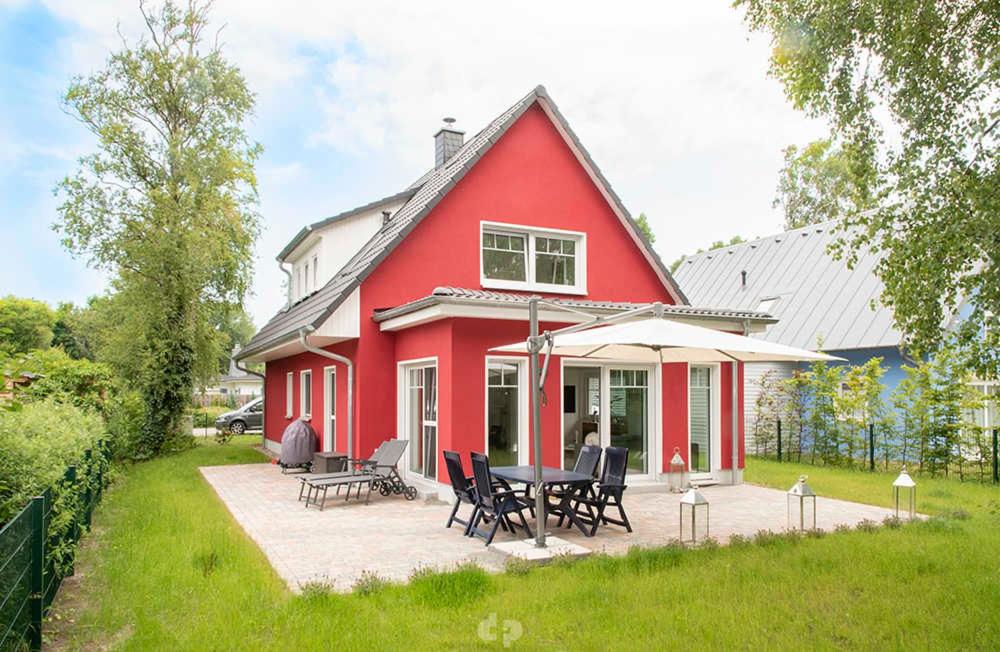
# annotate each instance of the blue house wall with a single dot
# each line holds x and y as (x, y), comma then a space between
(892, 361)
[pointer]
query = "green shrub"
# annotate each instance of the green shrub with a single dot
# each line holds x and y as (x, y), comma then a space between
(85, 384)
(37, 443)
(125, 416)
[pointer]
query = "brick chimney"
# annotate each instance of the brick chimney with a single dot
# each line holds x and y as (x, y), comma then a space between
(447, 141)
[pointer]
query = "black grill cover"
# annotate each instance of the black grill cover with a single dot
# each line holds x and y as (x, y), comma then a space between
(298, 444)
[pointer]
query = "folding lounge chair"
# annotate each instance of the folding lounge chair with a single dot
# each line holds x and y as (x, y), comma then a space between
(587, 462)
(383, 475)
(357, 466)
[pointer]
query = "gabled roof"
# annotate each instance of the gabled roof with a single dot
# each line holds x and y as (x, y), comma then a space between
(314, 309)
(816, 296)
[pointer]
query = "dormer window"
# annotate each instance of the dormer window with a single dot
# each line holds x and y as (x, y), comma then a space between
(528, 258)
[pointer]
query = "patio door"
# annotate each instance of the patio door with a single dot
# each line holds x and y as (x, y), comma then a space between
(702, 421)
(420, 412)
(609, 405)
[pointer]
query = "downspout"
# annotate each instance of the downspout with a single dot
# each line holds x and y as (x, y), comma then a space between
(263, 400)
(303, 332)
(288, 273)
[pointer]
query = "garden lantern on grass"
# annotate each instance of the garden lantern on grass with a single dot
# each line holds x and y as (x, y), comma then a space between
(675, 477)
(694, 516)
(801, 506)
(904, 490)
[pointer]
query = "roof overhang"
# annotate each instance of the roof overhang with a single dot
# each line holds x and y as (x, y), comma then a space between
(290, 346)
(515, 308)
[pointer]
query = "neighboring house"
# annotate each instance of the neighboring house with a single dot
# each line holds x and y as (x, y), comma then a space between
(395, 306)
(815, 298)
(237, 385)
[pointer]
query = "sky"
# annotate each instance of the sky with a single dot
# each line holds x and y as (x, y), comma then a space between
(672, 100)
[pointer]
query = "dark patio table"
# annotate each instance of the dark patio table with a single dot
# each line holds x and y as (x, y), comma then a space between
(551, 477)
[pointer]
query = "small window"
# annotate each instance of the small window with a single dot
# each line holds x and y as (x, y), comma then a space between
(298, 281)
(289, 381)
(305, 398)
(315, 272)
(307, 277)
(504, 256)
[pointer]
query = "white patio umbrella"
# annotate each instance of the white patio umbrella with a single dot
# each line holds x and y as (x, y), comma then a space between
(666, 340)
(649, 340)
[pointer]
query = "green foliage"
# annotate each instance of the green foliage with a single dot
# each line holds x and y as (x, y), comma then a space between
(82, 383)
(817, 184)
(67, 333)
(25, 324)
(643, 223)
(205, 417)
(37, 444)
(166, 205)
(910, 90)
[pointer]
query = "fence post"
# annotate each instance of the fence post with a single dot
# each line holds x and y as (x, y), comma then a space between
(88, 494)
(871, 446)
(779, 439)
(996, 466)
(36, 598)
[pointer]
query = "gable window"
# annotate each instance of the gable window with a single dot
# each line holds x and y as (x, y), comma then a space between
(305, 395)
(289, 380)
(315, 272)
(528, 258)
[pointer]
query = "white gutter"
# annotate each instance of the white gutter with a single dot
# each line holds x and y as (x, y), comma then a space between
(303, 332)
(288, 273)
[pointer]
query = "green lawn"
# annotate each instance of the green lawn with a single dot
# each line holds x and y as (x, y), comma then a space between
(169, 569)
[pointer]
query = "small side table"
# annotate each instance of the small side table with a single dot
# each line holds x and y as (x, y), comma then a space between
(329, 462)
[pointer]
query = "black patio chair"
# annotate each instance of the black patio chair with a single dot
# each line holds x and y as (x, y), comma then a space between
(494, 505)
(587, 461)
(464, 490)
(608, 492)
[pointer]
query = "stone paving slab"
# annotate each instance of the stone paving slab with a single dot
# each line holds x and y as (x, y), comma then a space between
(393, 537)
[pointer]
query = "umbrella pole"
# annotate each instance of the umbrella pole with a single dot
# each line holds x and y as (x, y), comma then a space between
(534, 347)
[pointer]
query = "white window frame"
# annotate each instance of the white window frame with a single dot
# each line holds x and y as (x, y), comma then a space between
(530, 233)
(289, 394)
(315, 272)
(403, 368)
(523, 444)
(306, 275)
(654, 425)
(303, 413)
(329, 408)
(715, 409)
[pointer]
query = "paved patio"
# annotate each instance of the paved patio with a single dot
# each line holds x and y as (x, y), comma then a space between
(392, 537)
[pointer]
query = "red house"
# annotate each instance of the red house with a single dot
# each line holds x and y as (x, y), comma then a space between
(395, 305)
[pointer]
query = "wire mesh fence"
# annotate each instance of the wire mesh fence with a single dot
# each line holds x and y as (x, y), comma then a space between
(38, 548)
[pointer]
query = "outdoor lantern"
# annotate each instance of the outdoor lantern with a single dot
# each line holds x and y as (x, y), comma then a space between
(801, 506)
(694, 516)
(905, 486)
(675, 476)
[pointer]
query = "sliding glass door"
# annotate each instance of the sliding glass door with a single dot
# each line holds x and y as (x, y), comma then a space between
(421, 419)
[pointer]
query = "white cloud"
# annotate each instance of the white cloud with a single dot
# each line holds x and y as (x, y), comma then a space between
(671, 99)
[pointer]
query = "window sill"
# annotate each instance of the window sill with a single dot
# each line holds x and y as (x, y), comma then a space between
(495, 284)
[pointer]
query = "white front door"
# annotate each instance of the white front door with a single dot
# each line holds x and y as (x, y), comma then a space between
(420, 419)
(703, 420)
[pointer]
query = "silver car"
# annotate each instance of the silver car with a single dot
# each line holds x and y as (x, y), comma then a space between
(248, 417)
